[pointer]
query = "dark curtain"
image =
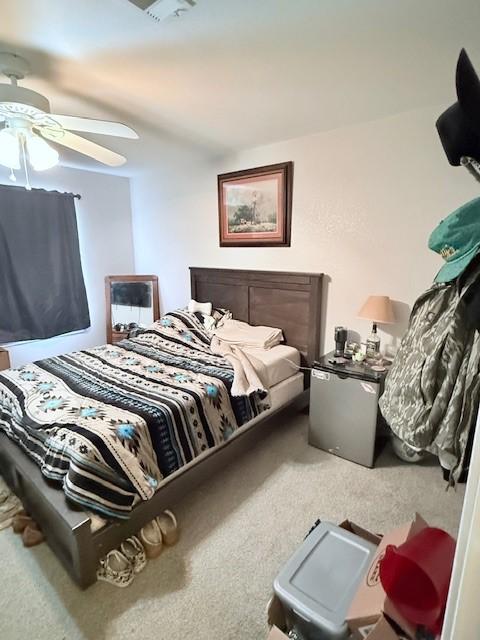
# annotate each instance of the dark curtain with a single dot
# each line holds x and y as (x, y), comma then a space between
(42, 292)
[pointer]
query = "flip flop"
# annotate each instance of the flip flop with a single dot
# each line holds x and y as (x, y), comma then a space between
(116, 569)
(133, 550)
(169, 527)
(151, 538)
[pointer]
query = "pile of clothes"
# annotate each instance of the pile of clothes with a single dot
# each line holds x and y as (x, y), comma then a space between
(12, 514)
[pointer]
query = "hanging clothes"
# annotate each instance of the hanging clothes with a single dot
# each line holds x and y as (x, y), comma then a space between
(472, 298)
(432, 389)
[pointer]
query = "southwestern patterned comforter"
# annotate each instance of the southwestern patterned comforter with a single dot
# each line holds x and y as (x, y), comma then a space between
(110, 423)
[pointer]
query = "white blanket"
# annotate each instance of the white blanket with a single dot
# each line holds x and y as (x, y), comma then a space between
(242, 334)
(246, 369)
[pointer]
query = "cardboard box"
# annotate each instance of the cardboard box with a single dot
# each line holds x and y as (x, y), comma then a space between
(371, 615)
(276, 634)
(380, 630)
(374, 538)
(370, 601)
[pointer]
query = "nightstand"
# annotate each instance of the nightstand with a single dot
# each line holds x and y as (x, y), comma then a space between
(344, 414)
(118, 335)
(4, 359)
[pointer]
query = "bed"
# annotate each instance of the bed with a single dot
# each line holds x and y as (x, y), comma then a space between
(289, 301)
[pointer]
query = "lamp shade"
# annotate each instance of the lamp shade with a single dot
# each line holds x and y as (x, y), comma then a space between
(378, 309)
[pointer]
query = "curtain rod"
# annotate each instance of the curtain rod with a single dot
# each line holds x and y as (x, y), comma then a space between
(61, 193)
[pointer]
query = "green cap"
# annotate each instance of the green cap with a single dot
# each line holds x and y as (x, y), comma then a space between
(457, 240)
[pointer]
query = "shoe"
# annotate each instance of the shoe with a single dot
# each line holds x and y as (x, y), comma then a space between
(116, 569)
(133, 550)
(32, 535)
(169, 527)
(151, 538)
(20, 521)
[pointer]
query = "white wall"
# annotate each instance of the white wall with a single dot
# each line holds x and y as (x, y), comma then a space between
(462, 616)
(106, 246)
(365, 199)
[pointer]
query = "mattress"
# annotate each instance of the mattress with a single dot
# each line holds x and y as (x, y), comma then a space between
(276, 364)
(280, 395)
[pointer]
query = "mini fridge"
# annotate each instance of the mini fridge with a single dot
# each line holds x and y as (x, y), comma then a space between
(344, 414)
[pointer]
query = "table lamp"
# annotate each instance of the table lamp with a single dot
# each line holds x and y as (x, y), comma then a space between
(379, 309)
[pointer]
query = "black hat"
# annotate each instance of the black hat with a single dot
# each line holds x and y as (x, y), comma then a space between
(459, 126)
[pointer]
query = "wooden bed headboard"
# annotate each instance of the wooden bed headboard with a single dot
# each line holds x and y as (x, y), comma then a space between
(289, 301)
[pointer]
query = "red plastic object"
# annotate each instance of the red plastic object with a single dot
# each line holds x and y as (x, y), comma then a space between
(416, 576)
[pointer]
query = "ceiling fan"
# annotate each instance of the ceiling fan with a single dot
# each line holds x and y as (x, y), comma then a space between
(26, 124)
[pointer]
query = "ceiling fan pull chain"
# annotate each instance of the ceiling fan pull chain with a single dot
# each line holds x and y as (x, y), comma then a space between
(28, 186)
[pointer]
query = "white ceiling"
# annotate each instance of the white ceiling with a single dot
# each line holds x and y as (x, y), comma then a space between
(232, 74)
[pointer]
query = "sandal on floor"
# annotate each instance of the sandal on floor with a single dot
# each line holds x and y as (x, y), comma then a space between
(133, 550)
(169, 527)
(32, 535)
(116, 569)
(151, 538)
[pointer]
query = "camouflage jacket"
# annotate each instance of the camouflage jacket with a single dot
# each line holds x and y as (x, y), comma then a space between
(432, 389)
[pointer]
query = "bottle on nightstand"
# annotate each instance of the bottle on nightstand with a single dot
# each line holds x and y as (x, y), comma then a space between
(373, 343)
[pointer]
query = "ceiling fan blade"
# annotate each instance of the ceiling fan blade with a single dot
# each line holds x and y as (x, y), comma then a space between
(82, 145)
(90, 125)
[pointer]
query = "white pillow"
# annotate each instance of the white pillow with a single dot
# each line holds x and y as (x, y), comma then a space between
(202, 307)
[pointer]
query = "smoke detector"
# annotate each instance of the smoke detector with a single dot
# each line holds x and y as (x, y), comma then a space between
(160, 10)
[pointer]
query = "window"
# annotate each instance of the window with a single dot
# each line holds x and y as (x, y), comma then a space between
(42, 291)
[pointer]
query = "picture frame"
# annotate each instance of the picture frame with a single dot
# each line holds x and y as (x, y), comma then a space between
(255, 206)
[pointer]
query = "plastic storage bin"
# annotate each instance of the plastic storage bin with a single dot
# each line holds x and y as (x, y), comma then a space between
(317, 584)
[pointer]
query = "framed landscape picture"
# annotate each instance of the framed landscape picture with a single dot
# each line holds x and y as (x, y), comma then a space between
(255, 206)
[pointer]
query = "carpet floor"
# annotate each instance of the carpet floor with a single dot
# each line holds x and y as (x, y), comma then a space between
(238, 529)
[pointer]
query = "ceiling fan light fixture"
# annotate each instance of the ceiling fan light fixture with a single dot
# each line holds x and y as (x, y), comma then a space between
(40, 154)
(28, 122)
(9, 149)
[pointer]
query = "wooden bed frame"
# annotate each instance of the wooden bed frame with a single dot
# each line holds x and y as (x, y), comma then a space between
(291, 301)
